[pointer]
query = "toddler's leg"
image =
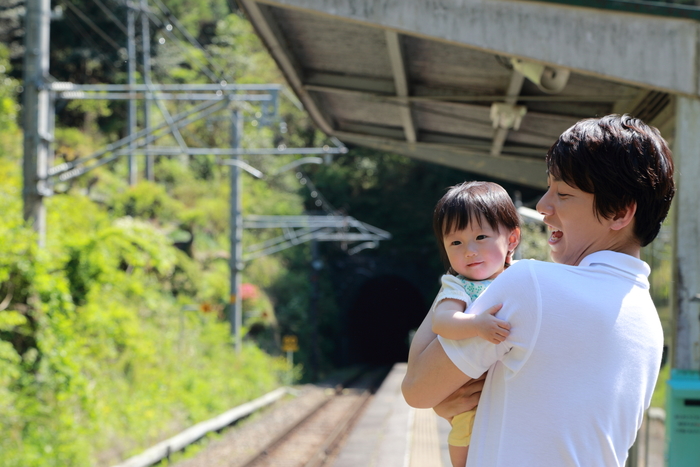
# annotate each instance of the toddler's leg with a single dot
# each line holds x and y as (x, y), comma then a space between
(458, 455)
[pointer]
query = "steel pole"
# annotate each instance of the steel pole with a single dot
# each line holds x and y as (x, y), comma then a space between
(146, 49)
(313, 308)
(131, 78)
(36, 121)
(236, 233)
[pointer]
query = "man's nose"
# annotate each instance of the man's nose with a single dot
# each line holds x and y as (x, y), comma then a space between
(544, 206)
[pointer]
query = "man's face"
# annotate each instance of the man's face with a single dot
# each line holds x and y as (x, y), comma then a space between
(576, 231)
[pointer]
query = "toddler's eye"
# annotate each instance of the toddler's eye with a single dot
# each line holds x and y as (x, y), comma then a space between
(456, 242)
(481, 237)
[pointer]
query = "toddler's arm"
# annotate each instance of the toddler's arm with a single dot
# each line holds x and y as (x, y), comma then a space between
(451, 322)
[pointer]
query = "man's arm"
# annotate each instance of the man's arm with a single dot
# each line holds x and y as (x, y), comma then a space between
(462, 400)
(431, 376)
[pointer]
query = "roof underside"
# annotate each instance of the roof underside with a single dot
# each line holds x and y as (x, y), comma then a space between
(431, 99)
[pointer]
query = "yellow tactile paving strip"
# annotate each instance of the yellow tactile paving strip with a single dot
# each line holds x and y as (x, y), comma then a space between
(425, 447)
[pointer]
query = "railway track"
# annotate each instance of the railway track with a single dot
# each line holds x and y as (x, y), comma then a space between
(313, 440)
(305, 432)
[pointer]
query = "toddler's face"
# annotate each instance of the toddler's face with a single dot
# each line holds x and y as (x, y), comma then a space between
(479, 252)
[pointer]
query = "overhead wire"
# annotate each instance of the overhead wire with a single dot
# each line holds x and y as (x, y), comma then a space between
(191, 39)
(304, 180)
(90, 23)
(158, 22)
(95, 47)
(111, 16)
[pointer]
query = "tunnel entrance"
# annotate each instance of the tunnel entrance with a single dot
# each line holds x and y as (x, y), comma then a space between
(385, 309)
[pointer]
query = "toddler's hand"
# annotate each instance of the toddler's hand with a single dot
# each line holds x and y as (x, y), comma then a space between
(490, 328)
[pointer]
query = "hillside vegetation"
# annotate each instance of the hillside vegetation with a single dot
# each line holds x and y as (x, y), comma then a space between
(111, 337)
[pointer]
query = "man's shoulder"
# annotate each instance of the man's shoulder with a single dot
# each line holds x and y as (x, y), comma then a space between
(528, 266)
(537, 266)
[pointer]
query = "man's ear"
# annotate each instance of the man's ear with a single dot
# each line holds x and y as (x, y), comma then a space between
(623, 218)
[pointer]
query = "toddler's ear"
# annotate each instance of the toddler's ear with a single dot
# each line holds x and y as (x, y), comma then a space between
(513, 240)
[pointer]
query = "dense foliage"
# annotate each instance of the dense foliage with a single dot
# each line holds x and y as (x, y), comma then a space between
(103, 346)
(113, 336)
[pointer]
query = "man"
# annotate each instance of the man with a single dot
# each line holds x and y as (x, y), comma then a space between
(570, 384)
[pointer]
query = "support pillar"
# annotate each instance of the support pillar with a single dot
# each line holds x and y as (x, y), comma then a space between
(686, 250)
(236, 227)
(36, 122)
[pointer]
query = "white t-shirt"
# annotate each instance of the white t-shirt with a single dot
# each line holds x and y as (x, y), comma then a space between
(570, 384)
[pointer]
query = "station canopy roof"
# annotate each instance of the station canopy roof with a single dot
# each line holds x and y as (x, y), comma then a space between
(487, 112)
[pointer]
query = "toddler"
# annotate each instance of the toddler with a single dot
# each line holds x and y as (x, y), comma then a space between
(477, 229)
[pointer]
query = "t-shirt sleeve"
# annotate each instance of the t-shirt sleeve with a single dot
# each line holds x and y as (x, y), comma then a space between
(452, 288)
(517, 289)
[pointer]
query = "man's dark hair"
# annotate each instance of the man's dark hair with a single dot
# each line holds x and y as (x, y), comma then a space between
(620, 160)
(473, 202)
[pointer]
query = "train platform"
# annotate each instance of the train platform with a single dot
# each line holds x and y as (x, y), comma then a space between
(390, 433)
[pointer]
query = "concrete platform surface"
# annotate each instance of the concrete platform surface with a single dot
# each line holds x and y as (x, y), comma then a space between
(392, 434)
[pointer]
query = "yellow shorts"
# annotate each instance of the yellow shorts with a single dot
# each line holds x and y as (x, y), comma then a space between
(461, 433)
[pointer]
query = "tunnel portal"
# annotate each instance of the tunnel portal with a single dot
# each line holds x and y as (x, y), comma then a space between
(384, 311)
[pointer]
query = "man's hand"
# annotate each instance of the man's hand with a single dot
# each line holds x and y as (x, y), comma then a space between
(490, 328)
(462, 400)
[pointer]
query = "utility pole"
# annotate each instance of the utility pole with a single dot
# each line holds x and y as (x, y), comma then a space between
(131, 72)
(146, 49)
(36, 124)
(316, 266)
(236, 234)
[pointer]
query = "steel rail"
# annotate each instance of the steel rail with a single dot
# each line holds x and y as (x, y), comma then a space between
(332, 440)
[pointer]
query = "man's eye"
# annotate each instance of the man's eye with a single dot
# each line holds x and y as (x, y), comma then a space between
(563, 195)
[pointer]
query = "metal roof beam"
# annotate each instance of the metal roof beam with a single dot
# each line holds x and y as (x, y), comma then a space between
(329, 82)
(383, 90)
(482, 145)
(393, 42)
(371, 129)
(525, 171)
